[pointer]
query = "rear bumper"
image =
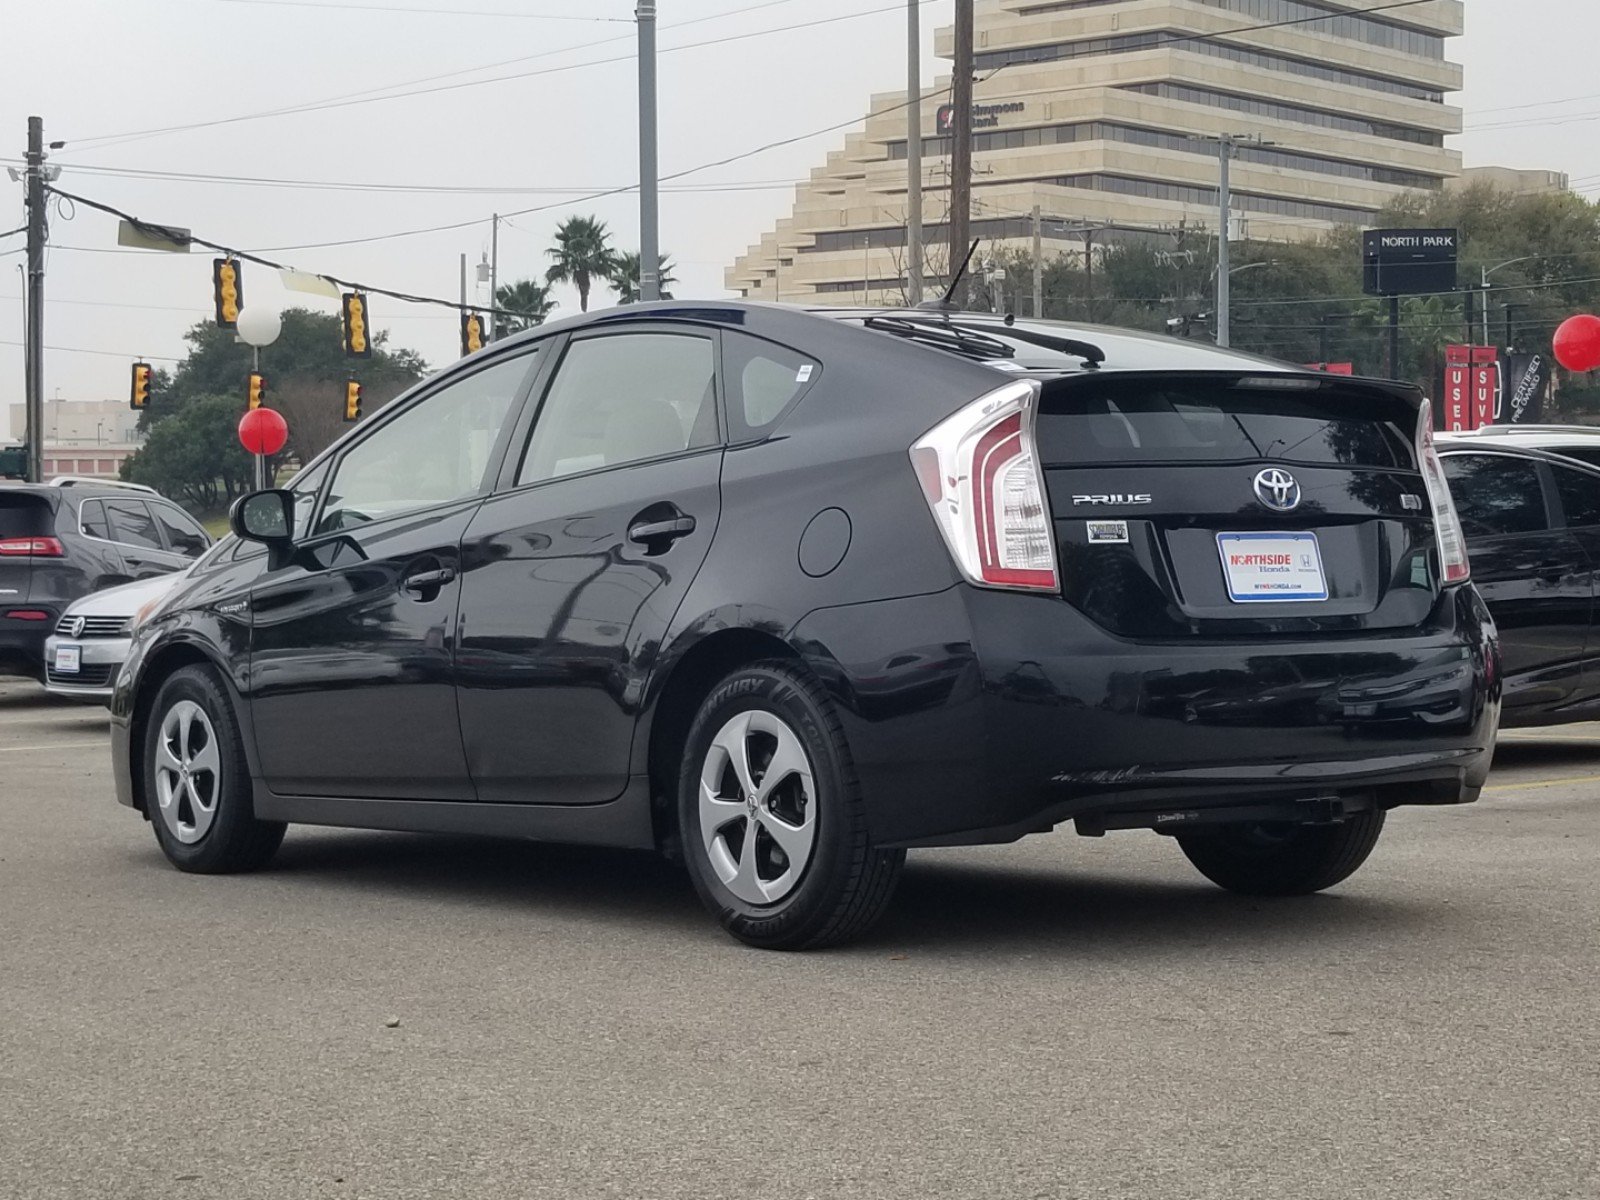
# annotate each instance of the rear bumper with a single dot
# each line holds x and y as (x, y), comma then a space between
(1014, 713)
(22, 643)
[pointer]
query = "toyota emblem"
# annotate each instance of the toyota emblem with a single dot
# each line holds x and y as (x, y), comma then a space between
(1278, 490)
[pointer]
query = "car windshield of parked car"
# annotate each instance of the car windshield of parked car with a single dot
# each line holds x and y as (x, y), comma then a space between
(436, 451)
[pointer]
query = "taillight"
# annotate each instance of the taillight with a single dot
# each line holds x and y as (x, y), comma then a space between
(1453, 564)
(31, 547)
(27, 614)
(980, 473)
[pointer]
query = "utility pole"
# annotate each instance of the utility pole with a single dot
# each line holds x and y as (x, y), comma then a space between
(961, 147)
(33, 390)
(1467, 312)
(649, 183)
(494, 277)
(1038, 264)
(1088, 271)
(463, 285)
(1508, 309)
(914, 152)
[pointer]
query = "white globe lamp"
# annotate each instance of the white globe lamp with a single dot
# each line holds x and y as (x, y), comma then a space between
(258, 326)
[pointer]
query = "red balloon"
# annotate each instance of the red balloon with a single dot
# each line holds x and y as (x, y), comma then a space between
(1577, 343)
(263, 431)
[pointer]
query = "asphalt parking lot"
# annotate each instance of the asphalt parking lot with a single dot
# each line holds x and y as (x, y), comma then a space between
(1059, 1018)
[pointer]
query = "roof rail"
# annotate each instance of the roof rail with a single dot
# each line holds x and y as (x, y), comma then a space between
(87, 481)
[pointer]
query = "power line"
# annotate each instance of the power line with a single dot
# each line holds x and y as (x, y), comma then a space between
(149, 228)
(351, 186)
(358, 98)
(104, 353)
(449, 12)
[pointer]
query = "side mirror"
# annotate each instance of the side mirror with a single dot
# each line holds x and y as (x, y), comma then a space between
(264, 517)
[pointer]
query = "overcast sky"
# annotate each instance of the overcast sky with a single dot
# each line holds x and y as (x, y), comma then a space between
(94, 69)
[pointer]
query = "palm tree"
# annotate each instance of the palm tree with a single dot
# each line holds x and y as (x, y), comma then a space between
(522, 305)
(582, 255)
(626, 277)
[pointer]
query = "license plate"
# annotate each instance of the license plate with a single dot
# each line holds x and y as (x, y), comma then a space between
(68, 659)
(1272, 567)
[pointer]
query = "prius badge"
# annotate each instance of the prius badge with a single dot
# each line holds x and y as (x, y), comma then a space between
(1278, 490)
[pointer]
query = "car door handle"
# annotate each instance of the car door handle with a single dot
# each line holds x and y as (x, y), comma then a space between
(427, 581)
(661, 531)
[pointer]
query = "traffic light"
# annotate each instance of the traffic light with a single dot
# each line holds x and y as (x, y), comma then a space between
(227, 285)
(352, 401)
(139, 397)
(258, 389)
(357, 339)
(474, 334)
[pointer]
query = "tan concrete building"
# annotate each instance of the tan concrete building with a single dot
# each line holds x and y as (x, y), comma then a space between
(83, 437)
(1517, 182)
(1099, 112)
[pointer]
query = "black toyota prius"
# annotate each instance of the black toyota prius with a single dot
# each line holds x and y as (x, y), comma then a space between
(785, 593)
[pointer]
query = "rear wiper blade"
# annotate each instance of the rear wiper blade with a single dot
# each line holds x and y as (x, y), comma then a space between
(1088, 351)
(945, 336)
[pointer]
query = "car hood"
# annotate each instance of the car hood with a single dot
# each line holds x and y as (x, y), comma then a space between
(125, 599)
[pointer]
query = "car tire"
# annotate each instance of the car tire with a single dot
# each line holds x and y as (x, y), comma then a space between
(197, 781)
(809, 877)
(1283, 860)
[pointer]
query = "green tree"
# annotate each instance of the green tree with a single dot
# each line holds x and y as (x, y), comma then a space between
(582, 254)
(625, 277)
(195, 458)
(309, 353)
(522, 305)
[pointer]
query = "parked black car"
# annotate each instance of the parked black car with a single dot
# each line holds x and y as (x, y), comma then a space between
(786, 593)
(1532, 523)
(64, 539)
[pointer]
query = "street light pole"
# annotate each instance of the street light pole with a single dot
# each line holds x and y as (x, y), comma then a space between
(494, 277)
(649, 183)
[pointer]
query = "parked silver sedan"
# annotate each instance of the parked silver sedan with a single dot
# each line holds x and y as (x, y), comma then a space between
(91, 640)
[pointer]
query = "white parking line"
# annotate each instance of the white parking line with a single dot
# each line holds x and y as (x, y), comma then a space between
(53, 746)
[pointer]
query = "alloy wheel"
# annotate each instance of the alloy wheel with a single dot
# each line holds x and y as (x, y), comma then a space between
(188, 772)
(758, 810)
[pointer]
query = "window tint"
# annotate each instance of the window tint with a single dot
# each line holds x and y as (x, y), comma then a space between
(1580, 496)
(132, 525)
(436, 451)
(623, 398)
(1494, 494)
(1143, 421)
(1589, 454)
(93, 518)
(183, 535)
(763, 381)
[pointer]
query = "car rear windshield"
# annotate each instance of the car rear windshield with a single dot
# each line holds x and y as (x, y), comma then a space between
(24, 515)
(1151, 420)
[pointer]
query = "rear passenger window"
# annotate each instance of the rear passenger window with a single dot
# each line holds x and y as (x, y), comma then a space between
(1580, 496)
(131, 524)
(93, 518)
(623, 398)
(1495, 494)
(764, 381)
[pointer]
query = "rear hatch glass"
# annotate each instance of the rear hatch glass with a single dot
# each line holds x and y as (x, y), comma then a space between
(1205, 506)
(22, 515)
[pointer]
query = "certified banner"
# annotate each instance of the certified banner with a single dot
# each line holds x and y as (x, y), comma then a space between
(1527, 385)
